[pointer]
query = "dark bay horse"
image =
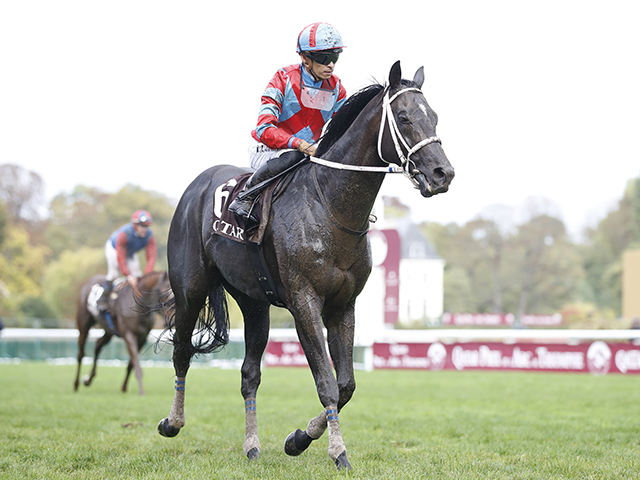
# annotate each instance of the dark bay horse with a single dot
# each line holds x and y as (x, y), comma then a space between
(133, 318)
(315, 246)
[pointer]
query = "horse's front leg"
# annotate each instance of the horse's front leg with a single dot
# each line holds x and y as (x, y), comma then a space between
(256, 336)
(134, 362)
(340, 333)
(310, 333)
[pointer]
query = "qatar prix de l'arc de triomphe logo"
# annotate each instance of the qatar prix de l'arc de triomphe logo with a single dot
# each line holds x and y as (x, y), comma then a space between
(599, 358)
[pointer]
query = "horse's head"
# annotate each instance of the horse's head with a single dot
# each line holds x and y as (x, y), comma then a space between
(154, 284)
(408, 134)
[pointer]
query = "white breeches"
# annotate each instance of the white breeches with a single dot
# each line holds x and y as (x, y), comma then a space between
(113, 271)
(259, 154)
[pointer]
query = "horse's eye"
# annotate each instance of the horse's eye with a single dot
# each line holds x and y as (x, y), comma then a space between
(403, 117)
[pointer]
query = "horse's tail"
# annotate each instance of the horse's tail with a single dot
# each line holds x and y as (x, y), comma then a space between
(212, 329)
(212, 332)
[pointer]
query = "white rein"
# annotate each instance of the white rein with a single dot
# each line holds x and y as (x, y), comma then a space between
(396, 135)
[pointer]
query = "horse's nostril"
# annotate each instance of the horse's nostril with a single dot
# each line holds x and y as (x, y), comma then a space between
(439, 175)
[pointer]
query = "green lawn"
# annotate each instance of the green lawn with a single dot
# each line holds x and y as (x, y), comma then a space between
(399, 424)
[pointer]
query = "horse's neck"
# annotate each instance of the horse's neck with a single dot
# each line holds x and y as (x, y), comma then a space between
(352, 194)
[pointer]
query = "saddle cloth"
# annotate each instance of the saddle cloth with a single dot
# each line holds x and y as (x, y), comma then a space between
(229, 225)
(96, 292)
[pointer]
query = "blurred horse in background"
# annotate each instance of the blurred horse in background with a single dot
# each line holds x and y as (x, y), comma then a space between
(133, 316)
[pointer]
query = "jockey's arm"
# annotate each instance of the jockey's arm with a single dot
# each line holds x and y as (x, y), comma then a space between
(152, 253)
(121, 251)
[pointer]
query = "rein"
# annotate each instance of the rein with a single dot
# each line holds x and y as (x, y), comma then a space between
(357, 168)
(398, 139)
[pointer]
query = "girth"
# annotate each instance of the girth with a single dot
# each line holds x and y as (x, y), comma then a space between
(257, 260)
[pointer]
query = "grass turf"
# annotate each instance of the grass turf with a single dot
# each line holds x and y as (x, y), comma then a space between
(399, 424)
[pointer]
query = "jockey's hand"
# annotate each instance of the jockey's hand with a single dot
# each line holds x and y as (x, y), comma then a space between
(133, 281)
(307, 148)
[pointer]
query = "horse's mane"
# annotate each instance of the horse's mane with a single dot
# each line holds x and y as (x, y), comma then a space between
(346, 115)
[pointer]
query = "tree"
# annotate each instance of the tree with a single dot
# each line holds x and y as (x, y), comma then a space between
(605, 243)
(87, 216)
(496, 265)
(544, 267)
(22, 192)
(21, 267)
(64, 277)
(78, 219)
(473, 255)
(36, 307)
(4, 220)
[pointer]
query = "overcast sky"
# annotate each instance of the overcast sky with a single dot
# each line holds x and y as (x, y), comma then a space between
(535, 99)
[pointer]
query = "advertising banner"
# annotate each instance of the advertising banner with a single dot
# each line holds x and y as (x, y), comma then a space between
(598, 358)
(285, 354)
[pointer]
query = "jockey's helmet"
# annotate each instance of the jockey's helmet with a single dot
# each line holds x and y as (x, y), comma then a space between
(142, 217)
(318, 37)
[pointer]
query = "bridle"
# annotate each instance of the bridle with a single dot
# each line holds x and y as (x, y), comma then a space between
(387, 116)
(407, 166)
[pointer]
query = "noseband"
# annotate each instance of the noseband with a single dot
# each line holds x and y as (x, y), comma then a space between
(398, 141)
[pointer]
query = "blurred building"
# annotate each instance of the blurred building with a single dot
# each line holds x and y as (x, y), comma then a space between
(405, 287)
(421, 277)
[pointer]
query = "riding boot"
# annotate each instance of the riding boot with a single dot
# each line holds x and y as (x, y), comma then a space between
(103, 301)
(243, 203)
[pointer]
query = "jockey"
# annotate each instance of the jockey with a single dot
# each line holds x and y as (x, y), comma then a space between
(299, 100)
(121, 249)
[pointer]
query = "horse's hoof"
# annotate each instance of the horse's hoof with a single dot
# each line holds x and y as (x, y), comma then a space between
(253, 454)
(166, 430)
(342, 462)
(86, 380)
(297, 442)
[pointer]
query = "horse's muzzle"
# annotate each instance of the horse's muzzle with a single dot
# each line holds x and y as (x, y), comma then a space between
(437, 182)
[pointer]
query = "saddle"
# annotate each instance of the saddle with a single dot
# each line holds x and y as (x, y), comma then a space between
(229, 225)
(94, 296)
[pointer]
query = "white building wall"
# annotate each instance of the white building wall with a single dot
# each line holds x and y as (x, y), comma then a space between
(421, 290)
(370, 306)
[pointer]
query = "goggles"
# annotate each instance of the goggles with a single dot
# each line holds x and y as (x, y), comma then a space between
(324, 57)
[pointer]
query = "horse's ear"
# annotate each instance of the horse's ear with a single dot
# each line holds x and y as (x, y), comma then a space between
(418, 78)
(395, 75)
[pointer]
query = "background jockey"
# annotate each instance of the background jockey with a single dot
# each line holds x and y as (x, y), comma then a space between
(121, 249)
(299, 100)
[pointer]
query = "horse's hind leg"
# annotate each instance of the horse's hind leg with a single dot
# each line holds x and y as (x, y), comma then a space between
(127, 375)
(185, 321)
(102, 341)
(256, 336)
(83, 327)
